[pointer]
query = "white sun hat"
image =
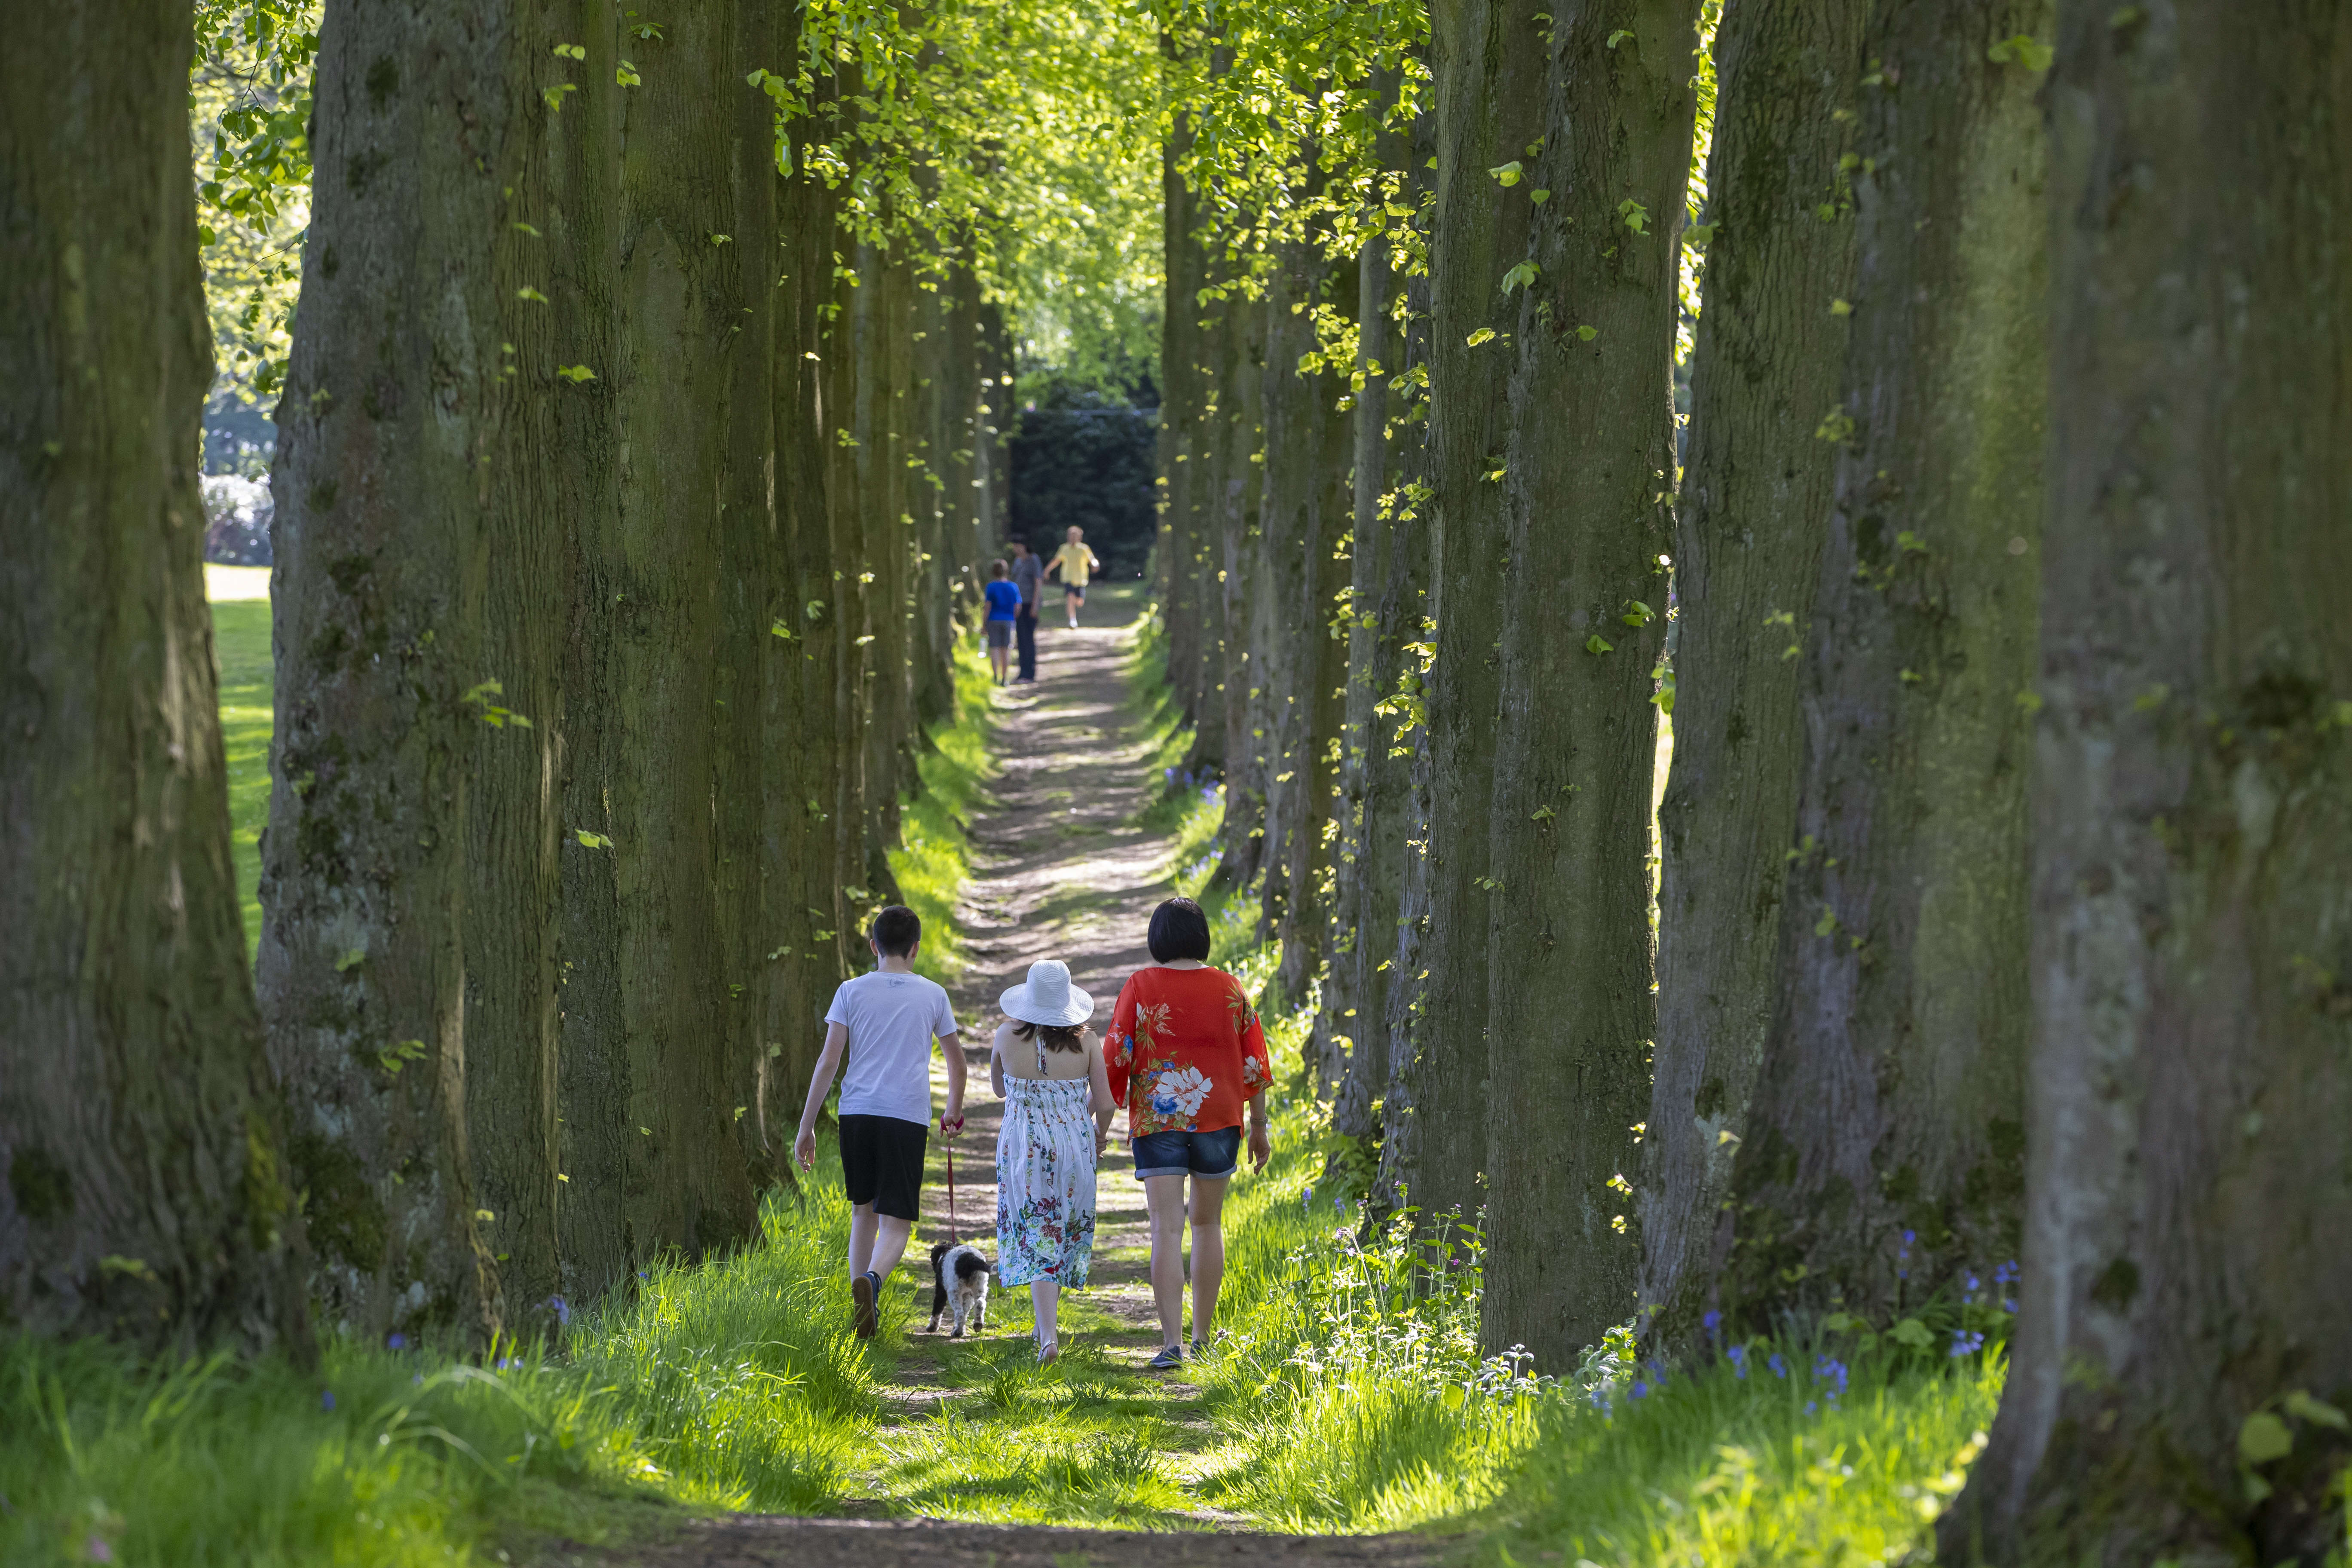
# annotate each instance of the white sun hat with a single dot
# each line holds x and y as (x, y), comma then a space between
(1048, 997)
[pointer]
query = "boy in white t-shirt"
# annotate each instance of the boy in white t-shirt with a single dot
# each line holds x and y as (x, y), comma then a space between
(886, 1021)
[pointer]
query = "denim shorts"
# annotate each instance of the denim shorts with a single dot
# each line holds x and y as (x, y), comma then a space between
(1177, 1154)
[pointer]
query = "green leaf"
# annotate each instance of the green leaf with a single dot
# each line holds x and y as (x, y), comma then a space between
(1637, 613)
(555, 95)
(571, 52)
(1620, 36)
(2023, 50)
(1596, 645)
(1841, 307)
(1700, 233)
(1523, 275)
(1539, 197)
(1636, 216)
(1588, 334)
(576, 374)
(1484, 334)
(2318, 1412)
(591, 840)
(528, 292)
(1913, 1333)
(2264, 1438)
(1508, 174)
(352, 958)
(626, 75)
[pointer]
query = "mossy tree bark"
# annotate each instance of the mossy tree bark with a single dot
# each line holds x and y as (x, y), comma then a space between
(1239, 497)
(398, 406)
(1182, 553)
(1488, 59)
(695, 148)
(146, 1192)
(1754, 508)
(1307, 507)
(2185, 1278)
(1588, 475)
(1885, 1149)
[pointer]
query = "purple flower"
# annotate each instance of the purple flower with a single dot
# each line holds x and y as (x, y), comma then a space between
(1711, 1322)
(1830, 1370)
(1780, 1368)
(327, 1400)
(1811, 1407)
(100, 1551)
(1641, 1390)
(1909, 1237)
(397, 1342)
(562, 1310)
(1739, 1354)
(1965, 1342)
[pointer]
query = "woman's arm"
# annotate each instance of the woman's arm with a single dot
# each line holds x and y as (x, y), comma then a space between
(1099, 1101)
(996, 1061)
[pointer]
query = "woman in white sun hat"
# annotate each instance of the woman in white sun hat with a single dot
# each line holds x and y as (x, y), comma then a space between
(1057, 1121)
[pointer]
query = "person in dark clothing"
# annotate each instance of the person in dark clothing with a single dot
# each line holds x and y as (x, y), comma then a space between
(1029, 576)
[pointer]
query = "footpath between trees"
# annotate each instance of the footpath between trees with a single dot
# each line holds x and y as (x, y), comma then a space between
(1068, 862)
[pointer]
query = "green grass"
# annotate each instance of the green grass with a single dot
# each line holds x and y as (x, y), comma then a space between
(934, 853)
(1347, 1394)
(247, 684)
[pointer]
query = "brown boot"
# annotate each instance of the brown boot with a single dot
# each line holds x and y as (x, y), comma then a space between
(863, 1317)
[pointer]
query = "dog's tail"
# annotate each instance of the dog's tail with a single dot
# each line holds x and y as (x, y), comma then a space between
(973, 1263)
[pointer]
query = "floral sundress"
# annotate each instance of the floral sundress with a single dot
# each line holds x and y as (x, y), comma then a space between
(1046, 1182)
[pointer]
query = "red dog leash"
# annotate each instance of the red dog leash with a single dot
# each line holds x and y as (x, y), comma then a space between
(950, 1149)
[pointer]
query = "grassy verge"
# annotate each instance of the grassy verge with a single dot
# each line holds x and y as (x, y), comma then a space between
(732, 1384)
(934, 854)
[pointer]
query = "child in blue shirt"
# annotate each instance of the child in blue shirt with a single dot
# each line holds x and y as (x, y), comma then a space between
(1003, 606)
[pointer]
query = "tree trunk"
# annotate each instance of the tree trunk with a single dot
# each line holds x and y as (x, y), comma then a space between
(1755, 500)
(1307, 446)
(147, 1195)
(691, 129)
(2185, 1276)
(398, 397)
(1180, 555)
(1488, 59)
(1570, 1014)
(1885, 1149)
(1238, 495)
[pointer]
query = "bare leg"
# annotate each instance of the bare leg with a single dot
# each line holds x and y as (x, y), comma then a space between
(861, 1238)
(888, 1244)
(1208, 1251)
(1165, 1197)
(1045, 1296)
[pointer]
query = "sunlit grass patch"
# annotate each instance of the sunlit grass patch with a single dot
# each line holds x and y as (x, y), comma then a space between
(248, 690)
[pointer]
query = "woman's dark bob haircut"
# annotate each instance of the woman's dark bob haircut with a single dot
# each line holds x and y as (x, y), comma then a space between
(1178, 930)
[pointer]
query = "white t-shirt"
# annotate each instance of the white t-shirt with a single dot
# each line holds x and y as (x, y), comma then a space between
(892, 1019)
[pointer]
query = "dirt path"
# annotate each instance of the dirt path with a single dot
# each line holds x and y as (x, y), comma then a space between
(1061, 870)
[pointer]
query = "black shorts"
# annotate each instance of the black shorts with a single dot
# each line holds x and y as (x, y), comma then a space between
(1177, 1152)
(882, 1163)
(1077, 591)
(999, 634)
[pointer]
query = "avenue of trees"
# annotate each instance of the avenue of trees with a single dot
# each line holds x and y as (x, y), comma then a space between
(1936, 409)
(1931, 410)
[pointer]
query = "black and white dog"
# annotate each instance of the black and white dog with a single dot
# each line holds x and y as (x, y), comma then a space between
(959, 1279)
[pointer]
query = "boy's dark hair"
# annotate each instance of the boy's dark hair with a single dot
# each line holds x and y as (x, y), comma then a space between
(897, 929)
(1019, 541)
(1180, 929)
(997, 569)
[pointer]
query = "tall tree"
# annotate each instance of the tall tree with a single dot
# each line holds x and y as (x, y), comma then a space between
(1754, 507)
(1587, 478)
(2184, 1291)
(397, 400)
(1488, 61)
(1236, 494)
(1888, 1113)
(1306, 515)
(146, 1191)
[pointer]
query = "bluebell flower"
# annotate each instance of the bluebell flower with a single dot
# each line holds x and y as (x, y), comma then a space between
(1909, 1237)
(1306, 1200)
(327, 1400)
(1641, 1390)
(562, 1310)
(1780, 1368)
(1965, 1342)
(1658, 1373)
(397, 1342)
(1711, 1322)
(1811, 1407)
(1830, 1370)
(1739, 1354)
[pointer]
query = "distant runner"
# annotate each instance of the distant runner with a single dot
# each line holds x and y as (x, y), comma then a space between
(1075, 563)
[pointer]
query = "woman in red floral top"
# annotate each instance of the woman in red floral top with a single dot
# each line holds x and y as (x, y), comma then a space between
(1185, 1053)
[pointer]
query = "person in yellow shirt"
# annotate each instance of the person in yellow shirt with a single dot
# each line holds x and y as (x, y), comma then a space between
(1075, 563)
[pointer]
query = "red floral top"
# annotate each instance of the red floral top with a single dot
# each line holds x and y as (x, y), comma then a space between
(1190, 1044)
